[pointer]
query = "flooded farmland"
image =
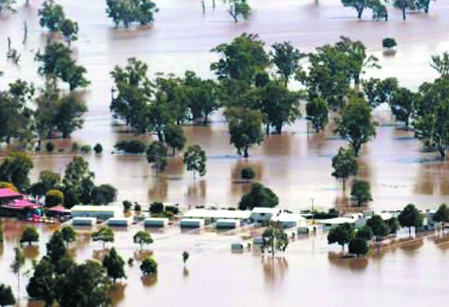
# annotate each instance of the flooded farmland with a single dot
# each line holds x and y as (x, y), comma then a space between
(295, 165)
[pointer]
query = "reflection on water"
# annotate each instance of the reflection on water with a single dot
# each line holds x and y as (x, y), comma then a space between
(347, 263)
(275, 269)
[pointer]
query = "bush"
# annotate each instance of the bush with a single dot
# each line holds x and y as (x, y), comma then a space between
(127, 205)
(75, 146)
(389, 42)
(358, 246)
(131, 146)
(7, 185)
(29, 235)
(156, 208)
(54, 198)
(98, 148)
(86, 149)
(137, 208)
(365, 233)
(247, 173)
(103, 194)
(148, 266)
(172, 209)
(49, 147)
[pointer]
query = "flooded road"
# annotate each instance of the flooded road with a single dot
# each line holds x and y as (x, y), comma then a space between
(296, 166)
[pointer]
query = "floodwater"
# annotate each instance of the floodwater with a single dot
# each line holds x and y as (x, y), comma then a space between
(309, 273)
(297, 166)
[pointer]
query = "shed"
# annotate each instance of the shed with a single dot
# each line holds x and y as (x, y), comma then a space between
(289, 220)
(261, 215)
(228, 223)
(99, 212)
(191, 223)
(211, 216)
(84, 221)
(120, 222)
(155, 222)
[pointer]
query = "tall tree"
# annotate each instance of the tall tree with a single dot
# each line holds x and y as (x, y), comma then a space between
(51, 15)
(345, 165)
(142, 237)
(69, 30)
(341, 234)
(356, 123)
(379, 91)
(378, 226)
(318, 113)
(410, 217)
(286, 58)
(402, 104)
(131, 11)
(274, 239)
(241, 59)
(157, 156)
(279, 105)
(77, 182)
(245, 128)
(361, 192)
(358, 5)
(16, 267)
(56, 248)
(441, 64)
(239, 8)
(259, 196)
(442, 215)
(114, 265)
(195, 160)
(15, 169)
(103, 234)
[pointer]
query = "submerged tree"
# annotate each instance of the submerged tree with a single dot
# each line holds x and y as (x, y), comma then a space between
(356, 123)
(157, 156)
(51, 15)
(245, 128)
(286, 58)
(345, 165)
(341, 234)
(148, 266)
(361, 192)
(410, 217)
(104, 234)
(6, 296)
(15, 169)
(259, 196)
(274, 239)
(131, 11)
(114, 265)
(195, 160)
(358, 5)
(239, 8)
(441, 64)
(142, 238)
(318, 113)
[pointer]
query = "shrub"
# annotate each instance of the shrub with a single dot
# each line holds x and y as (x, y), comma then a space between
(358, 246)
(49, 147)
(86, 149)
(156, 208)
(172, 209)
(131, 146)
(103, 194)
(137, 208)
(7, 185)
(127, 205)
(98, 148)
(54, 198)
(75, 146)
(148, 266)
(247, 173)
(389, 42)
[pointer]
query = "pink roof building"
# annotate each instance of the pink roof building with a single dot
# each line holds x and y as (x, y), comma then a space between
(7, 195)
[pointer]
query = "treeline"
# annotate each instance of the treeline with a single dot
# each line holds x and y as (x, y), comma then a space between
(75, 187)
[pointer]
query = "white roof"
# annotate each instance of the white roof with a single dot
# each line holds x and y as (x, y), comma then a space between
(265, 210)
(288, 217)
(162, 219)
(218, 214)
(228, 221)
(337, 221)
(80, 208)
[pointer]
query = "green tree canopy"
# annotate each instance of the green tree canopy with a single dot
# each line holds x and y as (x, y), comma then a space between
(344, 165)
(318, 113)
(103, 194)
(56, 248)
(358, 246)
(195, 160)
(341, 234)
(114, 265)
(245, 128)
(68, 234)
(51, 15)
(103, 234)
(148, 267)
(15, 169)
(54, 198)
(157, 156)
(241, 59)
(239, 8)
(131, 11)
(442, 214)
(378, 226)
(410, 217)
(274, 239)
(6, 295)
(356, 123)
(259, 196)
(361, 193)
(286, 59)
(174, 137)
(142, 238)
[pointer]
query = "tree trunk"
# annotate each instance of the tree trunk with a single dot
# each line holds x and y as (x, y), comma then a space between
(279, 129)
(442, 151)
(360, 12)
(246, 155)
(174, 151)
(268, 129)
(404, 17)
(426, 7)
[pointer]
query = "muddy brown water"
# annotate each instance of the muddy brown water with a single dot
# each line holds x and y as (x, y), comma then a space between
(295, 165)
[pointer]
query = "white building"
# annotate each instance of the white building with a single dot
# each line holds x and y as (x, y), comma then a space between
(99, 212)
(155, 222)
(263, 216)
(289, 220)
(211, 216)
